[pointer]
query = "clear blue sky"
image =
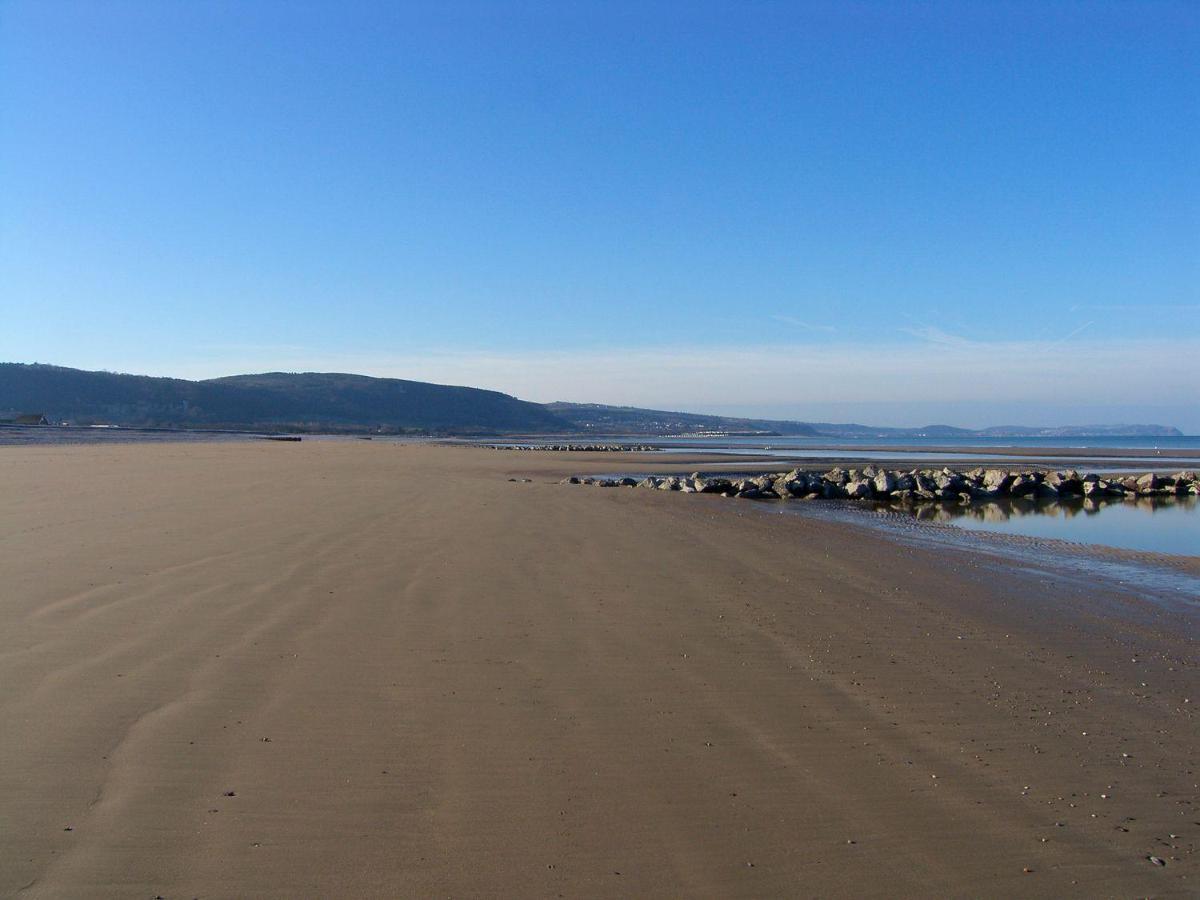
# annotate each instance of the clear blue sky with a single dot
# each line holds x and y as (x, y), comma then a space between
(967, 212)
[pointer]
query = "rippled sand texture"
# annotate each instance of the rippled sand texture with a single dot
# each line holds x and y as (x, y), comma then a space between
(359, 669)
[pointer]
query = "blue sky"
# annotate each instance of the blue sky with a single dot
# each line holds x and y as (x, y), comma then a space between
(965, 212)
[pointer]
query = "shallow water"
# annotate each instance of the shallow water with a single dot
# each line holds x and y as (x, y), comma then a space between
(1151, 451)
(1089, 562)
(853, 454)
(1162, 524)
(1151, 524)
(1160, 444)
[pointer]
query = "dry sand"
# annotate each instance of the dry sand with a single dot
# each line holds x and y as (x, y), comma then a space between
(363, 669)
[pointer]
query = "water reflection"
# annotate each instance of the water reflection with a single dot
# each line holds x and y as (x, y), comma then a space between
(1162, 524)
(1003, 510)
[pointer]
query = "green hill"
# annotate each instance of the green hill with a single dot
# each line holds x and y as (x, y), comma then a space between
(323, 401)
(599, 419)
(305, 402)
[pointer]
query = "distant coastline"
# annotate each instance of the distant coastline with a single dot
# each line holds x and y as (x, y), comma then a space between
(316, 402)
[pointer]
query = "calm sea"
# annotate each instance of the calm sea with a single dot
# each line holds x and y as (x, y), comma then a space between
(1134, 442)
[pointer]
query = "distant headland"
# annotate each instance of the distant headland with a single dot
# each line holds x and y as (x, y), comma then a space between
(337, 402)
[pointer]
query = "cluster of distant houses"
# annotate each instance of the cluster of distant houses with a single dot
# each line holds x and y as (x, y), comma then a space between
(26, 419)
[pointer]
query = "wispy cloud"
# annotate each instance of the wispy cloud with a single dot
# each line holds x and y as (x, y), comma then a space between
(1137, 307)
(934, 335)
(1062, 340)
(800, 323)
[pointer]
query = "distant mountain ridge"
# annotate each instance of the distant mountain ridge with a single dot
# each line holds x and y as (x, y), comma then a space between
(598, 417)
(322, 401)
(996, 431)
(297, 402)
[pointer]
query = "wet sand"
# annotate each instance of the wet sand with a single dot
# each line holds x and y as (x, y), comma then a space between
(369, 669)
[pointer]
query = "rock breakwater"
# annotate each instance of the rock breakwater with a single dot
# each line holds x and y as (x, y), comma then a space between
(577, 448)
(916, 486)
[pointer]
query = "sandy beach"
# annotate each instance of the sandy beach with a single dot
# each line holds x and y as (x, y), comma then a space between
(368, 669)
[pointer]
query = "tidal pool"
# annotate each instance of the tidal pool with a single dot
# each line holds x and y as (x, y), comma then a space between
(1152, 524)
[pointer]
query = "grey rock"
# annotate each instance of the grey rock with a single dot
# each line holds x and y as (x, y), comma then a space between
(997, 478)
(1022, 486)
(1148, 482)
(859, 490)
(787, 488)
(1064, 482)
(712, 485)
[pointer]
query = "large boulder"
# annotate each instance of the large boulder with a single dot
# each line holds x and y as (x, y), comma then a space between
(1067, 483)
(785, 487)
(712, 485)
(946, 479)
(923, 483)
(1023, 485)
(997, 479)
(859, 490)
(832, 491)
(1176, 484)
(1148, 483)
(884, 483)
